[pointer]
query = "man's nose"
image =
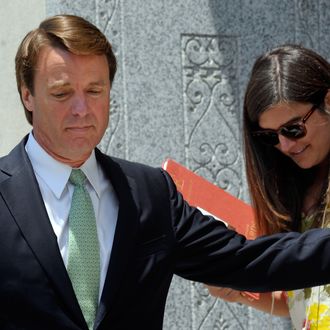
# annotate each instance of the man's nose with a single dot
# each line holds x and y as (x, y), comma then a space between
(79, 105)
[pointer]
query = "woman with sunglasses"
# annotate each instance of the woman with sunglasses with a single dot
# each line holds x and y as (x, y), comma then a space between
(287, 148)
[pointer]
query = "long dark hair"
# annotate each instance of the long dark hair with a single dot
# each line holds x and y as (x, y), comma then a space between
(289, 73)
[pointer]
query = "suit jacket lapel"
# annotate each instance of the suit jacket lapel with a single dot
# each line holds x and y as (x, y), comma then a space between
(125, 236)
(22, 195)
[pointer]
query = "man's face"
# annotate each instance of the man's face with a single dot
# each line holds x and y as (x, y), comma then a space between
(70, 105)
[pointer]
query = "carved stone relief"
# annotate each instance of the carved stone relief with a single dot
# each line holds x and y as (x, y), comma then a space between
(307, 23)
(210, 103)
(108, 19)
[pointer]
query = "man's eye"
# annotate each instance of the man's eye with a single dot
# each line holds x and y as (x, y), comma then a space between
(60, 95)
(93, 91)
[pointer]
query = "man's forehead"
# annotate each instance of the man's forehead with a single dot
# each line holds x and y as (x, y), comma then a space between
(51, 56)
(59, 67)
(57, 57)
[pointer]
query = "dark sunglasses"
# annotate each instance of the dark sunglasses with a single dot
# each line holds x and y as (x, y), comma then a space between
(291, 131)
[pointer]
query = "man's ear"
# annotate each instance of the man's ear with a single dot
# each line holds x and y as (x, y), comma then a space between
(27, 98)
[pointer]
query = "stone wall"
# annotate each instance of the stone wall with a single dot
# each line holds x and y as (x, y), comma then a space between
(183, 67)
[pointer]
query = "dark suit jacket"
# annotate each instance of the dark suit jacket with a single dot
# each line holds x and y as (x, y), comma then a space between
(157, 235)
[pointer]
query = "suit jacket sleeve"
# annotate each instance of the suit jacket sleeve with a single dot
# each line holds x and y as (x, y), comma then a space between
(209, 252)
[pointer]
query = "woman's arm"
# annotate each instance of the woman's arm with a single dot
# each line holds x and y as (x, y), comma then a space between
(264, 303)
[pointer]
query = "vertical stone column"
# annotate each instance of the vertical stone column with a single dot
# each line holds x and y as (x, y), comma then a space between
(14, 24)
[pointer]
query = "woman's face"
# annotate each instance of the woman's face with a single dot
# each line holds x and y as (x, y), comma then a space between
(308, 151)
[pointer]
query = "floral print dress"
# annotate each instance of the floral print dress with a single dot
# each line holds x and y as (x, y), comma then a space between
(310, 308)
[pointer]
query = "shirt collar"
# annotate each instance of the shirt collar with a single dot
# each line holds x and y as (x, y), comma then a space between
(56, 174)
(91, 170)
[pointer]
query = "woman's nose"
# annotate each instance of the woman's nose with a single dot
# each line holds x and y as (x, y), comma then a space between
(285, 144)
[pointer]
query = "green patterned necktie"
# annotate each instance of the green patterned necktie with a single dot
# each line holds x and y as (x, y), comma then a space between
(84, 255)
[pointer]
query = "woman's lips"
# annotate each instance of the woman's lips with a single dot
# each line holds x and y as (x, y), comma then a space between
(298, 152)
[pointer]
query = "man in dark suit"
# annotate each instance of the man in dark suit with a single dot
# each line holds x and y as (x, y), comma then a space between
(145, 231)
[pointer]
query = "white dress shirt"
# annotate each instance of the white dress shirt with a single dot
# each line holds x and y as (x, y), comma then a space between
(56, 190)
